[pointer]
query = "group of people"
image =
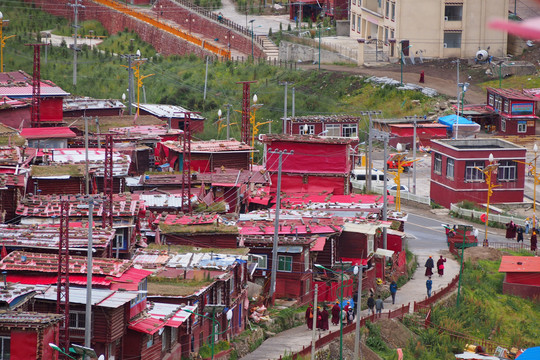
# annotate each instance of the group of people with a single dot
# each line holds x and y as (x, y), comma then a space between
(376, 304)
(514, 231)
(321, 321)
(430, 264)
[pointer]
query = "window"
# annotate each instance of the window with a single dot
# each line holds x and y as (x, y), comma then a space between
(385, 35)
(285, 263)
(5, 347)
(370, 244)
(453, 12)
(437, 164)
(507, 171)
(310, 130)
(353, 18)
(471, 171)
(219, 296)
(393, 12)
(307, 284)
(450, 168)
(349, 130)
(306, 261)
(498, 103)
(522, 127)
(141, 293)
(119, 240)
(452, 40)
(359, 24)
(333, 130)
(387, 13)
(506, 106)
(232, 283)
(77, 319)
(149, 341)
(165, 338)
(392, 34)
(503, 125)
(174, 336)
(491, 99)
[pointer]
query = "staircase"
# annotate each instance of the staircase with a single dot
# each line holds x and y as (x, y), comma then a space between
(270, 49)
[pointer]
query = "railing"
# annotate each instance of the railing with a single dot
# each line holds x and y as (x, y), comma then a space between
(510, 245)
(405, 195)
(503, 219)
(181, 34)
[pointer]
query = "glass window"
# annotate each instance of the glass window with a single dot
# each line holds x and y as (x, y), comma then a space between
(349, 130)
(310, 129)
(77, 319)
(503, 125)
(261, 260)
(450, 168)
(387, 13)
(473, 171)
(506, 106)
(333, 130)
(119, 240)
(522, 127)
(5, 347)
(393, 11)
(507, 170)
(453, 12)
(385, 35)
(452, 40)
(285, 263)
(359, 24)
(392, 34)
(437, 164)
(353, 18)
(491, 98)
(306, 261)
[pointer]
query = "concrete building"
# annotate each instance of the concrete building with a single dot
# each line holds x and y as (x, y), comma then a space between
(448, 29)
(455, 174)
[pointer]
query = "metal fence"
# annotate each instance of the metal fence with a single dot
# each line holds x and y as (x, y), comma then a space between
(475, 214)
(405, 195)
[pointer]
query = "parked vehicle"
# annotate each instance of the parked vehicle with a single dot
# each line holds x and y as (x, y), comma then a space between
(394, 187)
(359, 176)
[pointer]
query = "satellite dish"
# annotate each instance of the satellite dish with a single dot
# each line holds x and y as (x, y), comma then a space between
(482, 55)
(530, 43)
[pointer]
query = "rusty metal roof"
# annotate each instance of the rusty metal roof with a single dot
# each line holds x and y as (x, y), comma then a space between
(96, 160)
(48, 263)
(12, 180)
(26, 318)
(154, 130)
(27, 236)
(211, 146)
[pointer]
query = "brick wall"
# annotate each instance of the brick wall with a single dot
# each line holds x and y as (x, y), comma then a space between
(162, 41)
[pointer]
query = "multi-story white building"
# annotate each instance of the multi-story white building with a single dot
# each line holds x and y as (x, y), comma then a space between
(434, 28)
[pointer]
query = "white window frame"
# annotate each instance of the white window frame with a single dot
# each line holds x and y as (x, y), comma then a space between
(262, 259)
(353, 21)
(310, 131)
(472, 174)
(359, 24)
(285, 257)
(118, 237)
(306, 260)
(5, 340)
(393, 18)
(437, 163)
(77, 320)
(522, 127)
(506, 106)
(491, 100)
(503, 125)
(507, 171)
(370, 244)
(332, 130)
(347, 128)
(450, 168)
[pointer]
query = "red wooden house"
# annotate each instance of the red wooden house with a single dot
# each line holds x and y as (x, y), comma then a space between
(26, 335)
(522, 276)
(48, 137)
(18, 85)
(57, 179)
(516, 110)
(12, 112)
(455, 174)
(327, 125)
(318, 164)
(12, 188)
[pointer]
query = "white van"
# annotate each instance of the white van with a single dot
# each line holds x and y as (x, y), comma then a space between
(359, 176)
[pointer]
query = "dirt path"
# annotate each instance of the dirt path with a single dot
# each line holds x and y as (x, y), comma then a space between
(442, 79)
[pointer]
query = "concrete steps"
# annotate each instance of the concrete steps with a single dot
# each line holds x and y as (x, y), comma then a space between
(270, 49)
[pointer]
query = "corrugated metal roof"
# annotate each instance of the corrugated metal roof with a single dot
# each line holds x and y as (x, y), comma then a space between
(159, 315)
(211, 146)
(28, 318)
(151, 259)
(46, 279)
(173, 219)
(168, 111)
(203, 260)
(162, 200)
(14, 291)
(47, 133)
(19, 84)
(130, 279)
(96, 160)
(100, 297)
(155, 130)
(86, 103)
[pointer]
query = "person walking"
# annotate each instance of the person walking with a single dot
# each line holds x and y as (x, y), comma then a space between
(429, 266)
(324, 315)
(440, 265)
(393, 291)
(534, 241)
(309, 317)
(379, 305)
(527, 226)
(319, 318)
(350, 315)
(371, 304)
(335, 313)
(520, 232)
(421, 77)
(429, 284)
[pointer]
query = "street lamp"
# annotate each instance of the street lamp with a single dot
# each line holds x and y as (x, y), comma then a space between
(532, 165)
(251, 21)
(488, 171)
(401, 60)
(464, 87)
(255, 126)
(2, 41)
(57, 348)
(340, 306)
(138, 62)
(358, 270)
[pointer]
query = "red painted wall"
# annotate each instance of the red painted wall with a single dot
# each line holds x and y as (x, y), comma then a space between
(14, 117)
(394, 242)
(524, 291)
(298, 183)
(523, 278)
(512, 126)
(51, 109)
(24, 344)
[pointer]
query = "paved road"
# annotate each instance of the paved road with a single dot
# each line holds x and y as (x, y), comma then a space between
(427, 237)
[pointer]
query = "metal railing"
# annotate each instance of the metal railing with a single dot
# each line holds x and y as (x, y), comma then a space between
(405, 195)
(503, 219)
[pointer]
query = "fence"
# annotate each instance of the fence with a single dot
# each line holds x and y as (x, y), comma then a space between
(492, 217)
(423, 307)
(405, 195)
(510, 245)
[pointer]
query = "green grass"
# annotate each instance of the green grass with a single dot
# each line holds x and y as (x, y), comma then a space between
(513, 82)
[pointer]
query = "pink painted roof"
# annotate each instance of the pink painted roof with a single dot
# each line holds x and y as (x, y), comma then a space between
(49, 279)
(19, 84)
(211, 146)
(12, 180)
(425, 125)
(48, 263)
(159, 315)
(513, 94)
(47, 133)
(300, 226)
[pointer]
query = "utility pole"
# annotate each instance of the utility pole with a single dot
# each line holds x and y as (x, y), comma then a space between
(286, 83)
(88, 310)
(369, 144)
(385, 192)
(228, 106)
(75, 7)
(276, 221)
(87, 176)
(415, 123)
(293, 103)
(130, 68)
(205, 79)
(314, 327)
(357, 349)
(457, 113)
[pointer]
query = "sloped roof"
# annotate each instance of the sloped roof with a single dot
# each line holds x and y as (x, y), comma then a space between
(59, 132)
(159, 315)
(520, 264)
(19, 84)
(100, 297)
(513, 94)
(211, 146)
(168, 111)
(28, 319)
(96, 159)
